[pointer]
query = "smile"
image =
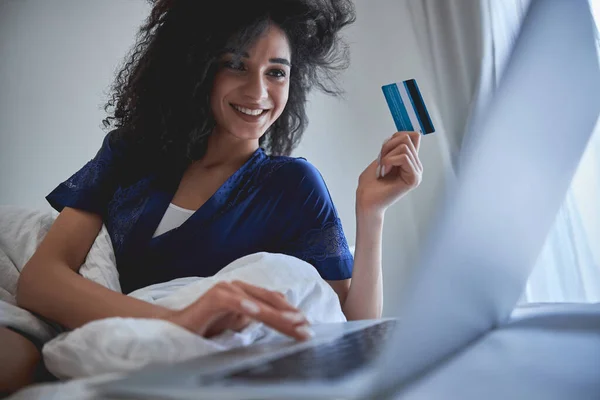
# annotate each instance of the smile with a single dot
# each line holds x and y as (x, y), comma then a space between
(248, 111)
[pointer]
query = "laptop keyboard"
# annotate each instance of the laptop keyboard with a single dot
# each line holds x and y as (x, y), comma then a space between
(327, 361)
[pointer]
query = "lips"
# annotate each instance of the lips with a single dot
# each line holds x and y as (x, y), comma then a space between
(251, 111)
(249, 114)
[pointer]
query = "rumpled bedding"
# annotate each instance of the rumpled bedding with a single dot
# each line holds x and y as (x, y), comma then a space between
(117, 345)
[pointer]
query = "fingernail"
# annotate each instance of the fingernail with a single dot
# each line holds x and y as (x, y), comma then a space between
(383, 171)
(250, 306)
(305, 332)
(379, 159)
(293, 316)
(378, 171)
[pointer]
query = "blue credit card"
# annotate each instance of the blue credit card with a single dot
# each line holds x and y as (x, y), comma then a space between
(407, 106)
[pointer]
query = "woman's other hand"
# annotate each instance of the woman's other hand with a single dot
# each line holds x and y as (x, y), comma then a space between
(396, 171)
(233, 305)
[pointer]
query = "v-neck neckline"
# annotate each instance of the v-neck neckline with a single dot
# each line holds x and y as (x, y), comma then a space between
(161, 200)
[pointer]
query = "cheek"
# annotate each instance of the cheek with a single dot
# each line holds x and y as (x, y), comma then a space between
(281, 98)
(215, 97)
(218, 84)
(221, 86)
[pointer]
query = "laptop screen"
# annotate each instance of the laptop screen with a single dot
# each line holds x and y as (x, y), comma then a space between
(490, 229)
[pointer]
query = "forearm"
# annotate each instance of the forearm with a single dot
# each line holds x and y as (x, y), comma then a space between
(365, 296)
(60, 294)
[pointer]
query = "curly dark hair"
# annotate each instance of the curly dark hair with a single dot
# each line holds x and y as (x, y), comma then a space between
(161, 97)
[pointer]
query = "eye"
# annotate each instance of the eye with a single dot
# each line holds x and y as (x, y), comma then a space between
(277, 73)
(233, 64)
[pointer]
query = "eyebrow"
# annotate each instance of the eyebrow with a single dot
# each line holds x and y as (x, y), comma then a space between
(276, 60)
(280, 61)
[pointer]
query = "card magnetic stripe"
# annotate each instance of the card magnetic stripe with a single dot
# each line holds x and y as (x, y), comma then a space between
(419, 106)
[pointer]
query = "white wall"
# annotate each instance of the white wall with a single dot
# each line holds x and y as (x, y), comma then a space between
(346, 135)
(57, 59)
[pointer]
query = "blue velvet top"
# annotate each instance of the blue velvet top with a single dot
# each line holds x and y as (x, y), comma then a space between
(272, 204)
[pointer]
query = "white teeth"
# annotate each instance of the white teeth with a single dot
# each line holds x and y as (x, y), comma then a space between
(248, 111)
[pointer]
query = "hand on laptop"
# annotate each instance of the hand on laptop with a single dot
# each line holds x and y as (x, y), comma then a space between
(233, 305)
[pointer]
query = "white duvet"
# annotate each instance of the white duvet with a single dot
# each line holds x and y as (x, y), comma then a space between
(124, 344)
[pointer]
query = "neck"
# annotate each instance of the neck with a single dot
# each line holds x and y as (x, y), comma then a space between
(226, 150)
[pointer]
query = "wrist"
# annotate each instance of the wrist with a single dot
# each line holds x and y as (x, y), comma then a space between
(179, 318)
(365, 207)
(369, 214)
(166, 314)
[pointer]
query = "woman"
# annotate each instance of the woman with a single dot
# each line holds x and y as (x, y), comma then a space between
(184, 183)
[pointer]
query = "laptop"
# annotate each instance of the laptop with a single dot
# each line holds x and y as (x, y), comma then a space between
(480, 251)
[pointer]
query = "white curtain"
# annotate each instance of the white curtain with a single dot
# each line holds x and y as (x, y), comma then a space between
(448, 34)
(568, 268)
(466, 44)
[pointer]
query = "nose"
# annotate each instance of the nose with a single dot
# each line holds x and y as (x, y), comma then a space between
(255, 88)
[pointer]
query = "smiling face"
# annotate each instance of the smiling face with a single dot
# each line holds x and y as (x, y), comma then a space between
(251, 87)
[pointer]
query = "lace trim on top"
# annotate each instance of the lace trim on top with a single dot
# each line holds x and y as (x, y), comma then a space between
(318, 245)
(88, 176)
(125, 209)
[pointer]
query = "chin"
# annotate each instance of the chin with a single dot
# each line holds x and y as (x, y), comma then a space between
(248, 134)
